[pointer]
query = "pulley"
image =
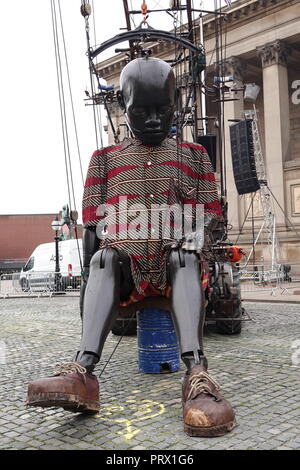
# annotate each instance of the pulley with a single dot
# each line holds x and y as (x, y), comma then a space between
(144, 8)
(144, 11)
(85, 9)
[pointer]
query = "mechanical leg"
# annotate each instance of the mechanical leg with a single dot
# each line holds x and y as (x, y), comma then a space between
(108, 270)
(188, 305)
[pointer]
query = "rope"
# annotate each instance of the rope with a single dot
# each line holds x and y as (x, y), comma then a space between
(78, 249)
(133, 15)
(71, 95)
(93, 70)
(98, 108)
(104, 101)
(87, 29)
(67, 155)
(221, 148)
(60, 91)
(178, 53)
(115, 348)
(69, 368)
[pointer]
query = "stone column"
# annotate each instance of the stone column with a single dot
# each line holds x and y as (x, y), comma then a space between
(232, 110)
(277, 117)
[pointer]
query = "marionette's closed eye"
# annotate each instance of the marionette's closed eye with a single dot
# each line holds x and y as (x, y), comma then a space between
(138, 111)
(141, 111)
(164, 109)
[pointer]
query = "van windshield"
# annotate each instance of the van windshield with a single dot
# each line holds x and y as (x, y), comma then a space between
(29, 264)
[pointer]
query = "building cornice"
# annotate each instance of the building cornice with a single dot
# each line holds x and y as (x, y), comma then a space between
(242, 12)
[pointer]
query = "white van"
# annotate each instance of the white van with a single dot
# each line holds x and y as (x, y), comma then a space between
(39, 271)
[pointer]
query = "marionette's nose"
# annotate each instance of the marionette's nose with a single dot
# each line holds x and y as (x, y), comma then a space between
(153, 120)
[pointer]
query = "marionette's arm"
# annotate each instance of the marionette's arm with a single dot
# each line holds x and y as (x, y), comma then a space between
(94, 195)
(93, 204)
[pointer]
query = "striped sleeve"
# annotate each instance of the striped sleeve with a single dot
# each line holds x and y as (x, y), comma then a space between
(94, 194)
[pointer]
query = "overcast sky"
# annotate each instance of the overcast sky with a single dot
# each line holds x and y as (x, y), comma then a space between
(33, 178)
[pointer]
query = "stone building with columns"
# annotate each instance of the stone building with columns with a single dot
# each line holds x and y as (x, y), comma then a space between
(262, 47)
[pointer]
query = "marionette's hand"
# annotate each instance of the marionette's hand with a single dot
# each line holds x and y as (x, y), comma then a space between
(196, 240)
(193, 241)
(214, 228)
(211, 221)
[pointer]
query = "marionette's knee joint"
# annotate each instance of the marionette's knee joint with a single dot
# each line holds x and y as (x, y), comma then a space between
(105, 258)
(179, 258)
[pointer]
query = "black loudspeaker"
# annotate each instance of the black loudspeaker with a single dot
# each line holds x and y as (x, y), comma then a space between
(209, 142)
(243, 161)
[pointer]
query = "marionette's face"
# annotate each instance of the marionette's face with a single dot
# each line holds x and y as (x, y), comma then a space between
(148, 95)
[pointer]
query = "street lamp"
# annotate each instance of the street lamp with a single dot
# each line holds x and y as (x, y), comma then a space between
(56, 226)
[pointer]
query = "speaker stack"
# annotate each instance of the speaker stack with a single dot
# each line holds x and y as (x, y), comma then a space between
(243, 161)
(209, 142)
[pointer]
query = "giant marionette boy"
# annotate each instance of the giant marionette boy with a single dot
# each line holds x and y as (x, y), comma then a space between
(147, 170)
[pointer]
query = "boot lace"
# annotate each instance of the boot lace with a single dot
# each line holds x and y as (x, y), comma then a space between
(202, 383)
(68, 368)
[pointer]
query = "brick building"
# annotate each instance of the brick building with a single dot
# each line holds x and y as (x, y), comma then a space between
(20, 234)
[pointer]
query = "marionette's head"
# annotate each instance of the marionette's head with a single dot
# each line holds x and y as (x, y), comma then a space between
(148, 97)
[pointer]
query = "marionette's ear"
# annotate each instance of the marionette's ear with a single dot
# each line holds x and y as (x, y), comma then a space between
(121, 99)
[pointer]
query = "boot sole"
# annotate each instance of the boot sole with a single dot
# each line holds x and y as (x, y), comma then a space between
(72, 403)
(213, 431)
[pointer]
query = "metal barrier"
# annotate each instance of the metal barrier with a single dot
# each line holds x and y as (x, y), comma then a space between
(279, 279)
(255, 279)
(38, 284)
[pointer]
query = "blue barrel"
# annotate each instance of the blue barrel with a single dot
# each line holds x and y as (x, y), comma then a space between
(158, 347)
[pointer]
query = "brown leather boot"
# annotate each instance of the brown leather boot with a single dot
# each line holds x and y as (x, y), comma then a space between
(70, 387)
(205, 412)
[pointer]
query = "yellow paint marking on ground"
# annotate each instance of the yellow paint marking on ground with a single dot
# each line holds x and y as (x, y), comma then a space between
(146, 409)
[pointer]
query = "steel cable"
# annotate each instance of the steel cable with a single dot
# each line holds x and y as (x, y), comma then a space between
(71, 94)
(60, 86)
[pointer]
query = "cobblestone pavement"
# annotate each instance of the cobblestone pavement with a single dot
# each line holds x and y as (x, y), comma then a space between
(143, 411)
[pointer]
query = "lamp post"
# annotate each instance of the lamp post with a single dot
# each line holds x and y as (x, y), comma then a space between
(56, 226)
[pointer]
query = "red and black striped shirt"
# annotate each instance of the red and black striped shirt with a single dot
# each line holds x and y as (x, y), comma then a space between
(148, 177)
